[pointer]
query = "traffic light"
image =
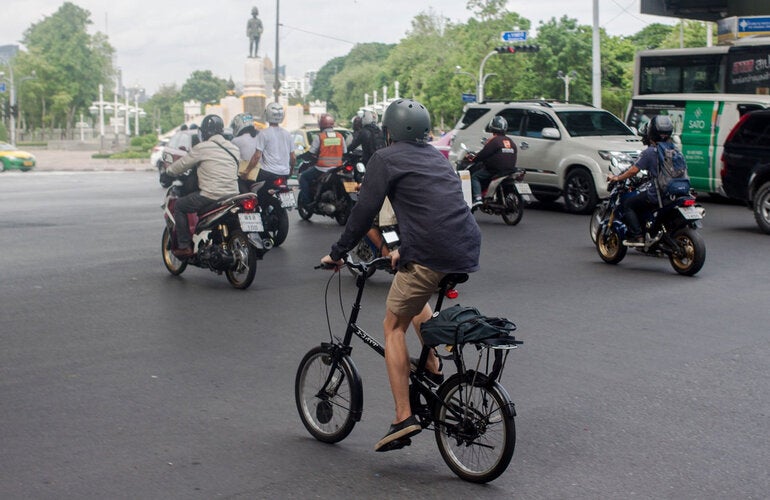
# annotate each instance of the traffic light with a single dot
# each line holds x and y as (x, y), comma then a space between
(513, 49)
(14, 110)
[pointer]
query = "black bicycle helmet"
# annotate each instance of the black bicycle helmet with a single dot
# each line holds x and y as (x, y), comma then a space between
(660, 128)
(406, 120)
(497, 125)
(211, 126)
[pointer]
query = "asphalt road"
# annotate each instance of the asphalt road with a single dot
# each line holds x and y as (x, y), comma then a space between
(118, 380)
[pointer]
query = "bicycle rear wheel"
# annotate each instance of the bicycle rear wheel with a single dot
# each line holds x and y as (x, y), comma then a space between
(475, 429)
(329, 415)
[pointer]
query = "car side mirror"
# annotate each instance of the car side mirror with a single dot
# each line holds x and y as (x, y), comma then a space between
(551, 133)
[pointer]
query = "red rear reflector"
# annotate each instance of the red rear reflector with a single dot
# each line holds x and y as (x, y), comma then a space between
(452, 294)
(249, 205)
(278, 182)
(348, 168)
(689, 203)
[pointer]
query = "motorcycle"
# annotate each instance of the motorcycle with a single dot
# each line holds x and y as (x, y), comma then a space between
(670, 230)
(380, 237)
(227, 238)
(275, 209)
(334, 192)
(505, 195)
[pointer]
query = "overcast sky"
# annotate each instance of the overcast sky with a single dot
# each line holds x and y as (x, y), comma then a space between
(164, 41)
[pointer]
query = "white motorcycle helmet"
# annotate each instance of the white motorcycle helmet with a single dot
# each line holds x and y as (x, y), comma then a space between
(273, 113)
(368, 118)
(242, 123)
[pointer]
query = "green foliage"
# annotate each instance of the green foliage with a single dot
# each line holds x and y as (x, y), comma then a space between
(144, 142)
(165, 109)
(203, 86)
(3, 132)
(694, 36)
(69, 65)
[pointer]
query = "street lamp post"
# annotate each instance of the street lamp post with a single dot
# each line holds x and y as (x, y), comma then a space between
(482, 79)
(567, 79)
(102, 108)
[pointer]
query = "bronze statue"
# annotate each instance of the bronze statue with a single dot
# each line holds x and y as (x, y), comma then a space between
(254, 31)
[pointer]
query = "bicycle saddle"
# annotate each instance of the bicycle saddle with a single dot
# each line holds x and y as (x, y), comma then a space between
(453, 279)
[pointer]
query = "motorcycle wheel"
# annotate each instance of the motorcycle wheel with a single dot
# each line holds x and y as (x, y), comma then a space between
(175, 266)
(693, 252)
(514, 209)
(610, 247)
(596, 219)
(304, 212)
(278, 224)
(342, 216)
(245, 261)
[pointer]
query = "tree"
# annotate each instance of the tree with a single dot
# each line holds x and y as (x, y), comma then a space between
(69, 65)
(165, 108)
(203, 86)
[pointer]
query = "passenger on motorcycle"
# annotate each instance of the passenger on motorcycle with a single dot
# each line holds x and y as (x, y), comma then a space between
(327, 149)
(245, 137)
(659, 129)
(370, 137)
(427, 197)
(275, 149)
(216, 160)
(498, 156)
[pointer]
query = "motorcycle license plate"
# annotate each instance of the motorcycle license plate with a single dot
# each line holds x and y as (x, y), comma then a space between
(351, 186)
(523, 188)
(287, 200)
(690, 213)
(251, 223)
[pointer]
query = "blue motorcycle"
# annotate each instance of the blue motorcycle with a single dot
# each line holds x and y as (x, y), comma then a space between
(670, 230)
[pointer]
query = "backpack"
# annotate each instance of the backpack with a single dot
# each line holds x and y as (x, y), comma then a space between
(672, 177)
(461, 324)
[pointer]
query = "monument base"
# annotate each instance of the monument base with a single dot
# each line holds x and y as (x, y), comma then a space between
(254, 96)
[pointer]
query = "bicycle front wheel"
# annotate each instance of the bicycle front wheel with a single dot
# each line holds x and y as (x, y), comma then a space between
(475, 430)
(328, 414)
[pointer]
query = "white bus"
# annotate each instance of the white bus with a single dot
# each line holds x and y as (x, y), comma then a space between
(741, 68)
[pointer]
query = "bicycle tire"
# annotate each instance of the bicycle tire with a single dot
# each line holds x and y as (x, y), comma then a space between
(329, 419)
(478, 445)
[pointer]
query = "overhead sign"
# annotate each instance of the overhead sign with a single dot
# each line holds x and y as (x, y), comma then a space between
(2, 86)
(469, 97)
(733, 28)
(513, 36)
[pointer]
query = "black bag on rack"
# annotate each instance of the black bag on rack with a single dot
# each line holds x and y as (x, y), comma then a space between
(464, 324)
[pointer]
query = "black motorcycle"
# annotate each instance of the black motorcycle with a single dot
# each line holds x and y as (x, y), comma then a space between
(275, 201)
(670, 230)
(333, 193)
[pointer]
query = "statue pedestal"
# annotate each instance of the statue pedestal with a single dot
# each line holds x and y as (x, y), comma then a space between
(254, 97)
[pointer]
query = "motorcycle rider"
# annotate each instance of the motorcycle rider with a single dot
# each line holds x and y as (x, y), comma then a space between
(424, 189)
(327, 150)
(217, 162)
(275, 148)
(657, 130)
(245, 137)
(498, 156)
(369, 137)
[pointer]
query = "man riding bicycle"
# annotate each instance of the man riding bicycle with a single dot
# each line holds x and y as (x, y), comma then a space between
(424, 189)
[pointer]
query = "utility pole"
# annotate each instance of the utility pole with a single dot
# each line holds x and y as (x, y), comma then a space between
(277, 84)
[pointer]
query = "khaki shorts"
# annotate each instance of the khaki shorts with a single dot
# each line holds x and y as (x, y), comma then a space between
(411, 289)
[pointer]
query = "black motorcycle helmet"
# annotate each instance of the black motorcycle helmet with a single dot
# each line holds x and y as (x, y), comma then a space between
(660, 128)
(497, 125)
(644, 133)
(406, 120)
(211, 126)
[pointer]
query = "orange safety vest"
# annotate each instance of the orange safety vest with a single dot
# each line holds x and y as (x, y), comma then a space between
(331, 150)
